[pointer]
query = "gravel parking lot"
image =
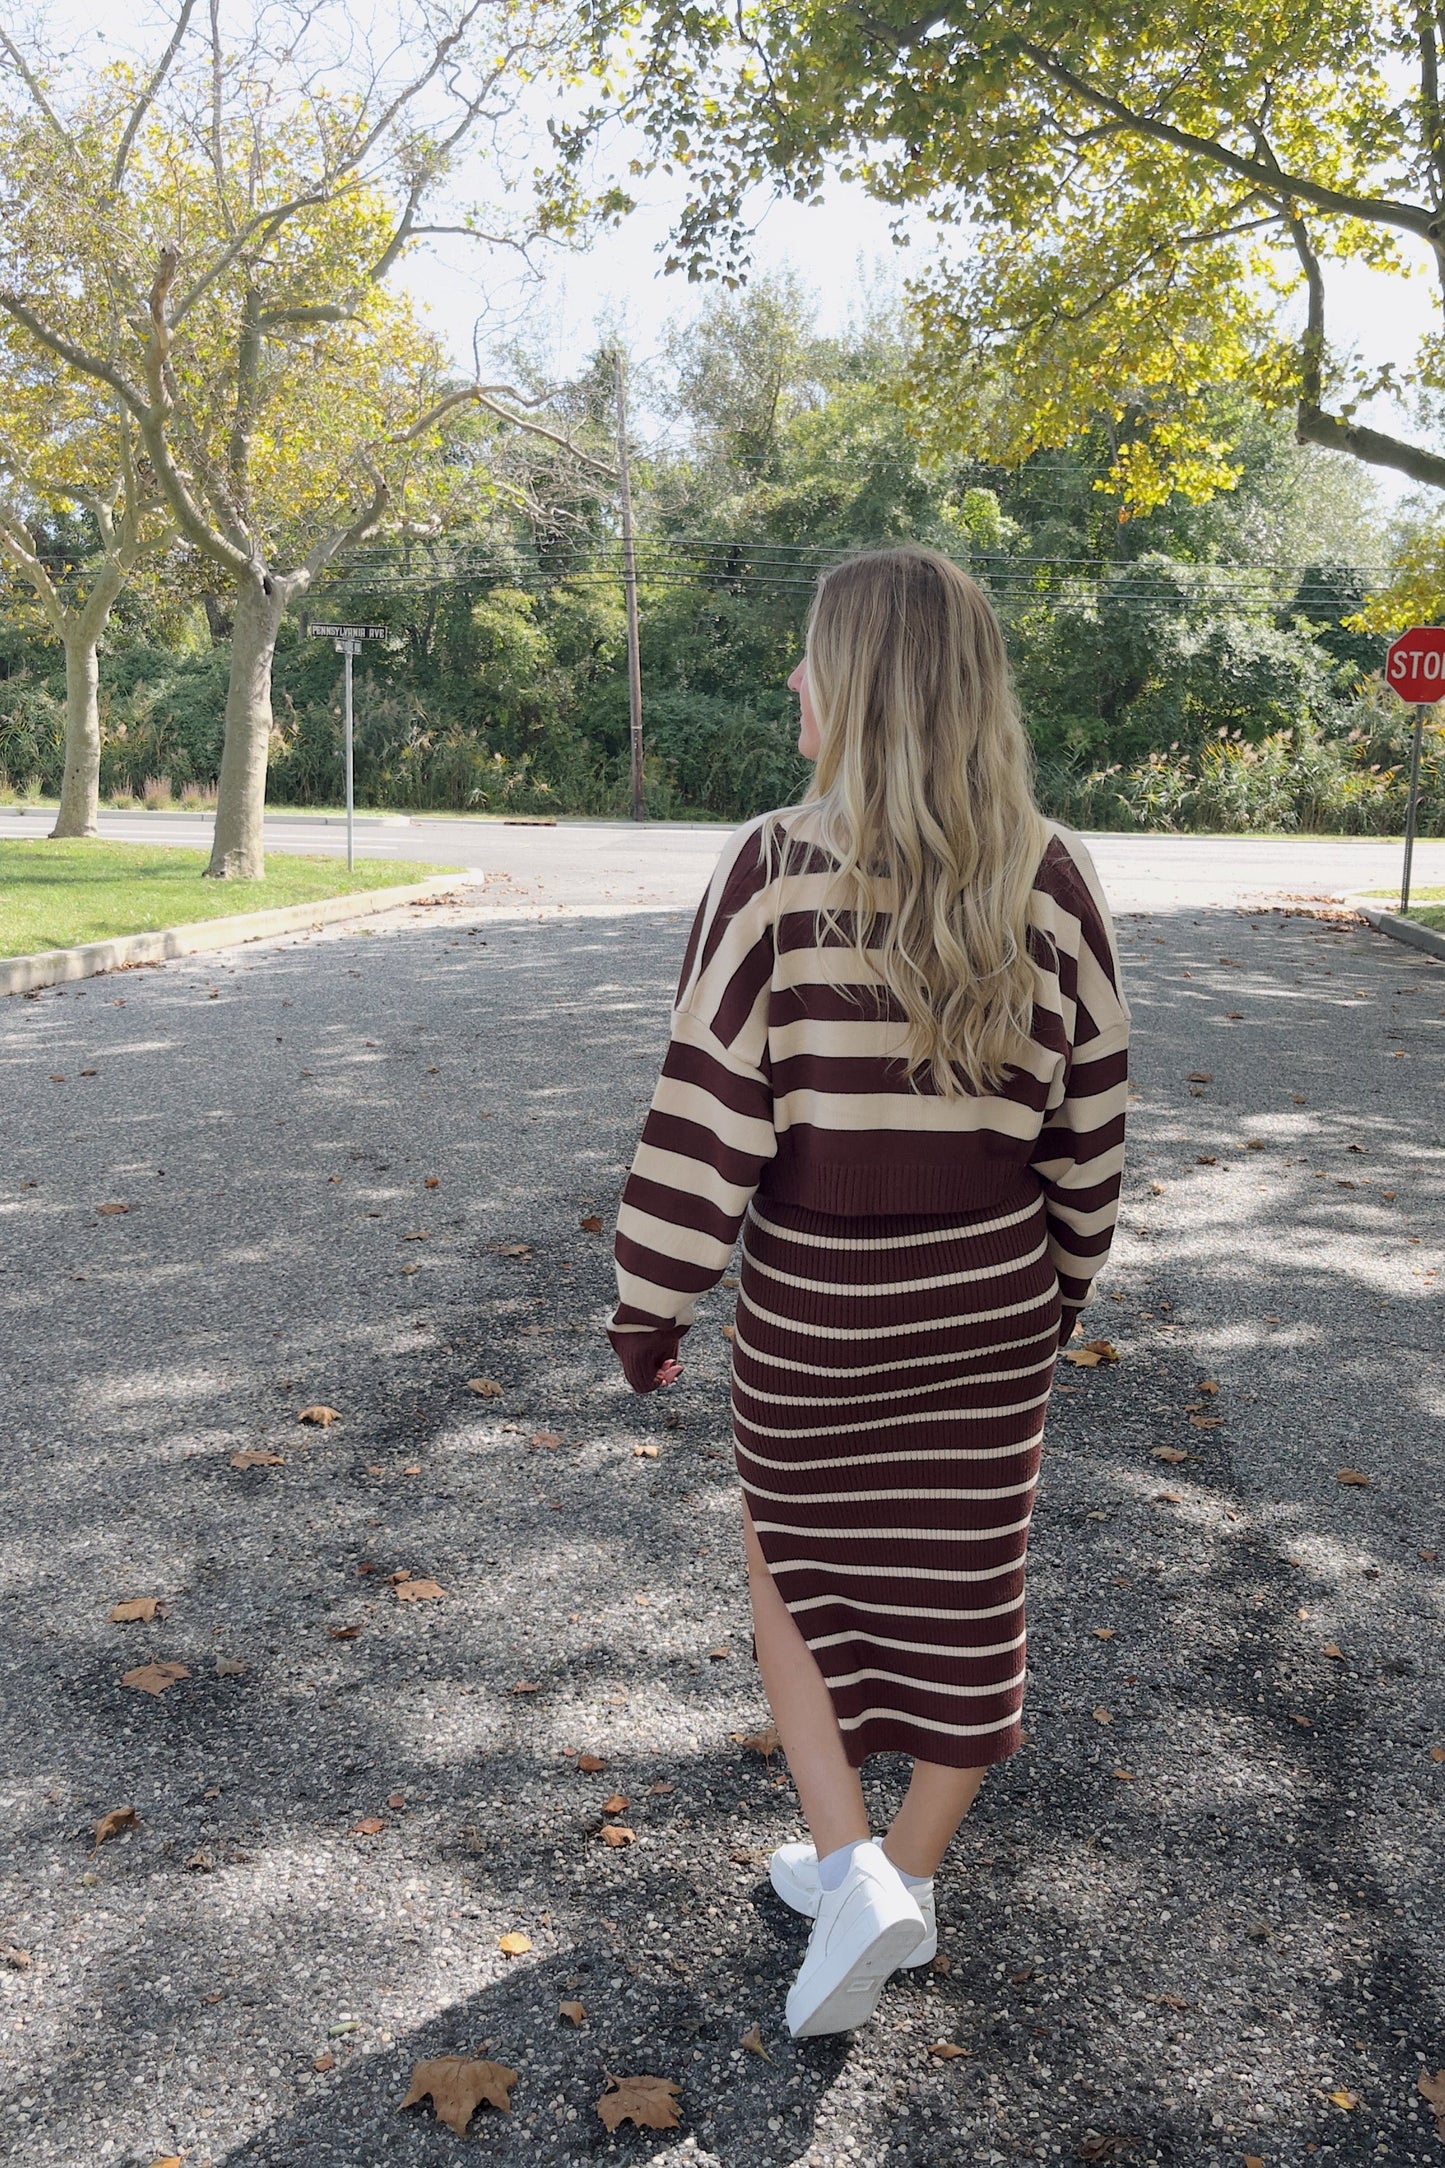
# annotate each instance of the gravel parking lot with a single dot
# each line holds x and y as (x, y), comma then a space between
(1197, 1920)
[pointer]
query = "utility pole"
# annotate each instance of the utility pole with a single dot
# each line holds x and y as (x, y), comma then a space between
(629, 583)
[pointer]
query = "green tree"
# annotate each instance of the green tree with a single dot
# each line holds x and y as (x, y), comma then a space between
(1136, 189)
(213, 244)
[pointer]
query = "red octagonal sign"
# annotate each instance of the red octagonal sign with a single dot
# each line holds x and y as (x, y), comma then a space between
(1415, 665)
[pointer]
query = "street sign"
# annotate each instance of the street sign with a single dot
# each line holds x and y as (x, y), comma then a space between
(1415, 669)
(348, 639)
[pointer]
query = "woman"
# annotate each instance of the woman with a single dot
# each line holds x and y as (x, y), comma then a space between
(898, 1064)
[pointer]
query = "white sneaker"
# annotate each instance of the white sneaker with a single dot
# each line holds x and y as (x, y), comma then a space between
(863, 1929)
(793, 1872)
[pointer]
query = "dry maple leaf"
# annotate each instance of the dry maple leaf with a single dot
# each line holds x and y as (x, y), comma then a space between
(252, 1457)
(617, 1804)
(592, 1225)
(230, 1667)
(572, 2010)
(12, 1955)
(154, 1678)
(457, 2085)
(1333, 1649)
(617, 1834)
(110, 1825)
(324, 2063)
(752, 2040)
(1201, 1076)
(138, 1607)
(1103, 1633)
(1102, 1716)
(544, 1441)
(1342, 2097)
(108, 1211)
(418, 1591)
(1353, 1479)
(526, 1686)
(651, 2103)
(1123, 1776)
(396, 1801)
(169, 2160)
(1207, 1422)
(1437, 1753)
(644, 1452)
(433, 1181)
(514, 1249)
(514, 1944)
(1172, 1453)
(485, 1388)
(589, 1764)
(1206, 1159)
(1207, 1385)
(1433, 2090)
(765, 1742)
(321, 1415)
(947, 2051)
(342, 1633)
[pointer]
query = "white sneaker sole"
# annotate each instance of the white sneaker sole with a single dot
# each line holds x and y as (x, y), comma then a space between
(854, 1997)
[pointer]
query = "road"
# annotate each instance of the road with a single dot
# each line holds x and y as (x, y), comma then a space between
(591, 863)
(1193, 1921)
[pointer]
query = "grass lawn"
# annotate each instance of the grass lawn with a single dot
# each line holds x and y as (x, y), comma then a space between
(57, 895)
(1427, 905)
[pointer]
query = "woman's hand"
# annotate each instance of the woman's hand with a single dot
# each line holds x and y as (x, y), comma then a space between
(667, 1373)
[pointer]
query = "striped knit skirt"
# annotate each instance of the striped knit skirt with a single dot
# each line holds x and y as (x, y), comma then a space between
(890, 1378)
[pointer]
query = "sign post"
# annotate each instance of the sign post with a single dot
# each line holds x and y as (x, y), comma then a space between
(348, 639)
(1415, 668)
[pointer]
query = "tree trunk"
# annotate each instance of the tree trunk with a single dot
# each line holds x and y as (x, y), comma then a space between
(237, 852)
(80, 789)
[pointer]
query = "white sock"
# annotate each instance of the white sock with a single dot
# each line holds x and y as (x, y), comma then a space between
(833, 1866)
(913, 1882)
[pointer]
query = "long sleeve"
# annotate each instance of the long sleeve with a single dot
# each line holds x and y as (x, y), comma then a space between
(709, 1131)
(1079, 1157)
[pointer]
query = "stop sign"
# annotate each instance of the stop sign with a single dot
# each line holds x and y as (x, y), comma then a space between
(1415, 664)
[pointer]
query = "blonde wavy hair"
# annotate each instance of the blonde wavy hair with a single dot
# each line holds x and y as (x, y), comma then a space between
(924, 793)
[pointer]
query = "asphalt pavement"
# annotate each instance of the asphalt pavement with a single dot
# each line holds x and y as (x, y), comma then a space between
(1196, 1920)
(576, 864)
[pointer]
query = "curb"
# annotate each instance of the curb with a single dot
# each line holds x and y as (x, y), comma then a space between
(56, 967)
(1402, 929)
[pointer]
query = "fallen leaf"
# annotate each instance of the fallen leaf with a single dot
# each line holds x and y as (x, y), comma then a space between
(457, 2085)
(1343, 2098)
(615, 1805)
(1201, 1076)
(1206, 1159)
(942, 1964)
(486, 1388)
(1102, 1716)
(656, 1791)
(418, 1591)
(644, 1452)
(544, 1441)
(765, 1742)
(1437, 1753)
(230, 1667)
(729, 1333)
(1110, 2145)
(342, 1633)
(1354, 1478)
(719, 1655)
(572, 2010)
(592, 1225)
(1169, 1497)
(1255, 1144)
(514, 1249)
(169, 2160)
(617, 1834)
(589, 1764)
(396, 1801)
(1172, 1453)
(154, 1678)
(110, 1825)
(1207, 1422)
(324, 2063)
(1254, 2160)
(417, 1234)
(253, 1457)
(514, 1944)
(371, 1827)
(138, 1607)
(321, 1415)
(651, 2103)
(1333, 1649)
(752, 2040)
(643, 1600)
(108, 1211)
(1103, 1633)
(1124, 1776)
(526, 1686)
(948, 2050)
(1207, 1385)
(1433, 2090)
(1173, 2002)
(12, 1955)
(1234, 1016)
(433, 1181)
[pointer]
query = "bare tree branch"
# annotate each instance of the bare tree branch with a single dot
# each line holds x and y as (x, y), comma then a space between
(32, 83)
(147, 96)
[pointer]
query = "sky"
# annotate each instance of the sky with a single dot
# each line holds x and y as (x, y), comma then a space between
(842, 247)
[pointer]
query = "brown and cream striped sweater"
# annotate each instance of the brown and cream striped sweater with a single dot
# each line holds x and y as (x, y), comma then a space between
(783, 1079)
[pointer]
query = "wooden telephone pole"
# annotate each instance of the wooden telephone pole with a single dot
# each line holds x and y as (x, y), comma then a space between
(629, 584)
